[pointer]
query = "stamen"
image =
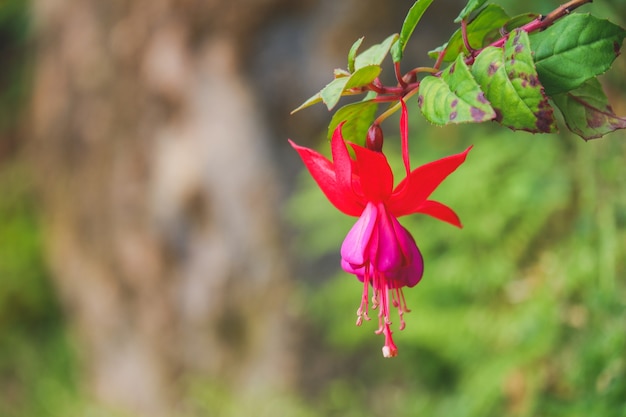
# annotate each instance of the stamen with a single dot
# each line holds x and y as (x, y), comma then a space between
(383, 295)
(395, 297)
(390, 349)
(383, 315)
(400, 303)
(380, 322)
(362, 311)
(402, 322)
(405, 308)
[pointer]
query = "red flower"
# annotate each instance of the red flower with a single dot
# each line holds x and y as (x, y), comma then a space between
(378, 250)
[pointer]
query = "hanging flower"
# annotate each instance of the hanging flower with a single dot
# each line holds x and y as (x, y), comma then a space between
(378, 249)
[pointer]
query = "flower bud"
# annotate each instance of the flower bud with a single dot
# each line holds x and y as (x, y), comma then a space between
(374, 139)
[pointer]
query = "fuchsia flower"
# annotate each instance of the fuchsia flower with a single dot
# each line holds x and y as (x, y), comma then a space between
(378, 250)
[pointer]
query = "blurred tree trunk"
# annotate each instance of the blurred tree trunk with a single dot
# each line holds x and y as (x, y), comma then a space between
(159, 197)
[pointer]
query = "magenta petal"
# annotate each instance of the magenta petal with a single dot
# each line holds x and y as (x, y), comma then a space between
(385, 251)
(359, 271)
(355, 245)
(412, 272)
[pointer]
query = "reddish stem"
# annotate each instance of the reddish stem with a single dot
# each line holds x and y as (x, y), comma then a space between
(439, 61)
(470, 59)
(399, 77)
(542, 22)
(377, 87)
(464, 36)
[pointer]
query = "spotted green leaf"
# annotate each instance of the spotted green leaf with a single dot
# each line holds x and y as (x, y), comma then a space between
(508, 77)
(587, 112)
(455, 97)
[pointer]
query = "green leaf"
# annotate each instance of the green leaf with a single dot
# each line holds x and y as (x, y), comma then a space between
(331, 94)
(333, 91)
(587, 112)
(340, 72)
(358, 118)
(310, 101)
(519, 20)
(454, 98)
(363, 76)
(507, 76)
(471, 6)
(352, 53)
(491, 18)
(375, 54)
(366, 66)
(343, 81)
(575, 49)
(508, 27)
(410, 22)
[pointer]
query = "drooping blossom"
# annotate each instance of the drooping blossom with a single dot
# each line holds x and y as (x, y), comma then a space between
(378, 249)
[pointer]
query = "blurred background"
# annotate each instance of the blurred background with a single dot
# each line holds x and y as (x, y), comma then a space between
(163, 254)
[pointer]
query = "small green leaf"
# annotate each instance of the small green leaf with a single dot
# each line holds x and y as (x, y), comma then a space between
(358, 117)
(410, 22)
(471, 6)
(491, 18)
(434, 53)
(364, 76)
(454, 98)
(519, 20)
(339, 72)
(333, 91)
(331, 94)
(310, 101)
(343, 81)
(587, 112)
(352, 53)
(375, 54)
(508, 27)
(575, 49)
(507, 76)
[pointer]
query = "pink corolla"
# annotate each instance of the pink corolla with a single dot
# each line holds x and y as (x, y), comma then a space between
(378, 249)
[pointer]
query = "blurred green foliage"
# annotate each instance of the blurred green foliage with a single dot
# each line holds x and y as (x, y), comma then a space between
(36, 361)
(520, 313)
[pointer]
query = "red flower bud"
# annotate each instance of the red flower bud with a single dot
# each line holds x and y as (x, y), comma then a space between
(374, 140)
